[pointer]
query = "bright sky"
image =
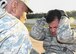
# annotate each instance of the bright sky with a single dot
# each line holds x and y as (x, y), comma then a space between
(46, 5)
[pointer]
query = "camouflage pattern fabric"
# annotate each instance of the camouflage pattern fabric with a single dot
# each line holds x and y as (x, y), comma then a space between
(50, 43)
(64, 33)
(13, 35)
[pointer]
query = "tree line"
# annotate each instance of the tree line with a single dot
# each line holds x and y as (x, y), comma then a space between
(40, 15)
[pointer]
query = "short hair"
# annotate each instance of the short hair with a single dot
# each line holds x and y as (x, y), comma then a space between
(50, 16)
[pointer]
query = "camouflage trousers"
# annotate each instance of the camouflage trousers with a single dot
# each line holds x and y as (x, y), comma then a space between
(58, 50)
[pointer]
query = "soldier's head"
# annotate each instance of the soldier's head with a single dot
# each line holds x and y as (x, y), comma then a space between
(52, 18)
(18, 8)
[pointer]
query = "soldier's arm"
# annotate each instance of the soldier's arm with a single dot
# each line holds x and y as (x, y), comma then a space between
(37, 31)
(64, 33)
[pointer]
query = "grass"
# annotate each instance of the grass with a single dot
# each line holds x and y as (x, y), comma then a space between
(73, 26)
(29, 26)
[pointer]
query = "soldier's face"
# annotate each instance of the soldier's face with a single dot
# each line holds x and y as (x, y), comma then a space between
(53, 27)
(21, 9)
(23, 18)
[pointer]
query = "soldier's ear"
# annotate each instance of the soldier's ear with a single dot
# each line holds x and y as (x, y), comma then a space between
(14, 6)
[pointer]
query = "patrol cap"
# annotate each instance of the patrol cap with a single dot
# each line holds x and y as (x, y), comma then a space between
(27, 4)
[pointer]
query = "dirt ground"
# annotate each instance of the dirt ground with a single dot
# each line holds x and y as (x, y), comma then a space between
(37, 45)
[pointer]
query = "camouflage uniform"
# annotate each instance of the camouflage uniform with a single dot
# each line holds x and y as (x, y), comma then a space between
(14, 36)
(50, 44)
(64, 33)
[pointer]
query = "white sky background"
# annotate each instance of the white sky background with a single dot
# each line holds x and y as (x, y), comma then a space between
(45, 5)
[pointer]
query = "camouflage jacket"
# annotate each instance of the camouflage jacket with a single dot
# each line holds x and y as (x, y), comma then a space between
(40, 32)
(65, 32)
(13, 35)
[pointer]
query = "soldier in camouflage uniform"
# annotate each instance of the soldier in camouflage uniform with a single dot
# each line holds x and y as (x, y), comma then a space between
(49, 35)
(14, 36)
